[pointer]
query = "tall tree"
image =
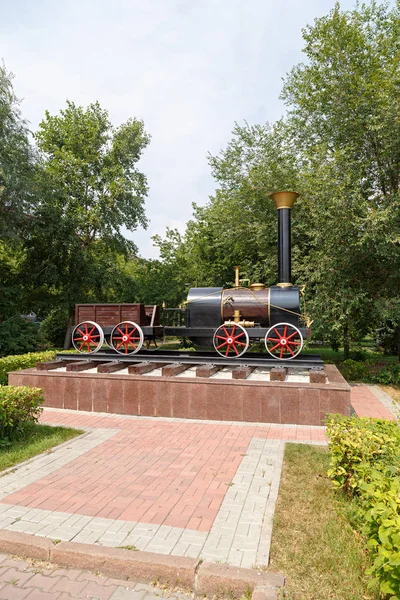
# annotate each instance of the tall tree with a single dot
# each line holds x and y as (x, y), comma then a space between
(16, 159)
(91, 189)
(344, 107)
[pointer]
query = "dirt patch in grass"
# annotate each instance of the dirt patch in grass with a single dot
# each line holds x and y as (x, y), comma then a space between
(36, 439)
(394, 392)
(313, 543)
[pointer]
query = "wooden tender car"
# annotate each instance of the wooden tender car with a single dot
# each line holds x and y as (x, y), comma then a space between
(122, 326)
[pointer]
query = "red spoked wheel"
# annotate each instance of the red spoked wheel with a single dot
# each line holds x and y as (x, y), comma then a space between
(126, 338)
(284, 341)
(87, 337)
(231, 341)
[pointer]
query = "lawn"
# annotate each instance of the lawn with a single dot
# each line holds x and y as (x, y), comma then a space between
(313, 544)
(36, 439)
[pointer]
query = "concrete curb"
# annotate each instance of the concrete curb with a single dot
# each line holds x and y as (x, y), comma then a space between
(190, 574)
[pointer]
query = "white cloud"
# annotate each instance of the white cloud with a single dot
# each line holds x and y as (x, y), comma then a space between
(189, 69)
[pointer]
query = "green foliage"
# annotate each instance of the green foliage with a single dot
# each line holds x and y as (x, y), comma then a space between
(387, 336)
(356, 445)
(54, 326)
(339, 147)
(91, 188)
(365, 463)
(17, 335)
(19, 407)
(16, 160)
(22, 361)
(370, 372)
(353, 370)
(389, 375)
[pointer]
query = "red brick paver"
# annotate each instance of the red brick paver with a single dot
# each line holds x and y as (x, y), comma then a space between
(155, 471)
(366, 404)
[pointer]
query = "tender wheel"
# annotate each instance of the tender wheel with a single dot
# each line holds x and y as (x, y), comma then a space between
(231, 341)
(87, 337)
(126, 338)
(283, 341)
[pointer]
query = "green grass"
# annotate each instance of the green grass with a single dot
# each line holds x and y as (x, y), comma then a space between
(313, 543)
(36, 439)
(331, 356)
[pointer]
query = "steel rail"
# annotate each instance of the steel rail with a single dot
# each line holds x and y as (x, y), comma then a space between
(312, 361)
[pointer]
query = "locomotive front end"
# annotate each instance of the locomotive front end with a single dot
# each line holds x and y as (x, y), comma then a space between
(241, 314)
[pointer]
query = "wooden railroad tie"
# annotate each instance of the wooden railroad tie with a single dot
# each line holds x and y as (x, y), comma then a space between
(111, 367)
(174, 369)
(51, 365)
(317, 375)
(242, 372)
(278, 374)
(207, 370)
(144, 367)
(83, 365)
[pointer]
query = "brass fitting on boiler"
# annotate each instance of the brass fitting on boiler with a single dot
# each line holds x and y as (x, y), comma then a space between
(242, 323)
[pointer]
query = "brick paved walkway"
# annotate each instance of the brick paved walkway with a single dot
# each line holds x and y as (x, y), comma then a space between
(173, 486)
(34, 580)
(371, 401)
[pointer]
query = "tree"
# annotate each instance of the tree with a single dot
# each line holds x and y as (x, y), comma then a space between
(339, 146)
(91, 189)
(16, 160)
(343, 111)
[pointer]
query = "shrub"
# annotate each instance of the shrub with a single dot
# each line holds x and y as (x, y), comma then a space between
(365, 464)
(18, 335)
(22, 361)
(353, 370)
(389, 375)
(380, 507)
(54, 326)
(19, 407)
(359, 355)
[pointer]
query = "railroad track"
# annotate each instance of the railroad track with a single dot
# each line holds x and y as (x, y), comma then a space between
(168, 357)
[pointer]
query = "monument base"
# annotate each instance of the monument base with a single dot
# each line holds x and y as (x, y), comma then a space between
(192, 397)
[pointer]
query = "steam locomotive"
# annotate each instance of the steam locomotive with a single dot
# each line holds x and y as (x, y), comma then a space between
(227, 320)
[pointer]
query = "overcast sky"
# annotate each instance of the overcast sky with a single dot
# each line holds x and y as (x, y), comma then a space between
(188, 68)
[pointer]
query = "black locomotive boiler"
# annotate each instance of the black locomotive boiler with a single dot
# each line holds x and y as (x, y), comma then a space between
(227, 320)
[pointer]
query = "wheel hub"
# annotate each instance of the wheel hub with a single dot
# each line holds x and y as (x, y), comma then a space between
(229, 340)
(283, 342)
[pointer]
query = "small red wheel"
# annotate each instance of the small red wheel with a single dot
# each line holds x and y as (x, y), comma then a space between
(126, 338)
(87, 337)
(283, 341)
(231, 341)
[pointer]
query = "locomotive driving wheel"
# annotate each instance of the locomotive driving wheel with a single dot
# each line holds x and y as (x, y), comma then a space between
(283, 341)
(87, 337)
(126, 338)
(231, 341)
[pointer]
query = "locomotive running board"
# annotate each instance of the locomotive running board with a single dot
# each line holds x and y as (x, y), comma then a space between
(312, 361)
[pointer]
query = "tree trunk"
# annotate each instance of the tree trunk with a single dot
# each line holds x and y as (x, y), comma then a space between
(346, 341)
(68, 333)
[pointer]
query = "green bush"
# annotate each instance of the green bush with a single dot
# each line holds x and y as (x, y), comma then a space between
(18, 335)
(353, 370)
(389, 375)
(22, 361)
(54, 326)
(360, 355)
(19, 408)
(365, 464)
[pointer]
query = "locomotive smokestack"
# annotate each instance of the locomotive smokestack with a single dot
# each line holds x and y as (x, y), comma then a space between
(283, 203)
